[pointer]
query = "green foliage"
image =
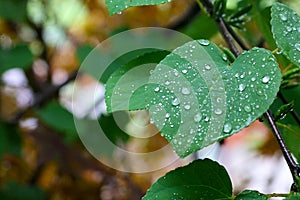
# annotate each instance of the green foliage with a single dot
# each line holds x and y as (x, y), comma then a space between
(293, 196)
(119, 88)
(112, 130)
(201, 179)
(10, 141)
(57, 117)
(17, 57)
(13, 10)
(286, 31)
(16, 191)
(115, 6)
(250, 195)
(249, 86)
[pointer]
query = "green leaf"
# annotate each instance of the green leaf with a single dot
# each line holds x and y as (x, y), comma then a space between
(58, 118)
(284, 110)
(16, 191)
(115, 6)
(10, 141)
(131, 72)
(20, 57)
(199, 99)
(291, 135)
(293, 196)
(250, 195)
(14, 10)
(112, 130)
(201, 179)
(286, 31)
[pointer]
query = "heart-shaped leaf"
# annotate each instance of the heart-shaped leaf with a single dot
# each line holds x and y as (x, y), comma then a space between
(115, 6)
(202, 179)
(286, 31)
(200, 99)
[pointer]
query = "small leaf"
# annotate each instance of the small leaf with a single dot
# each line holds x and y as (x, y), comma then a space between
(290, 73)
(115, 6)
(250, 195)
(284, 110)
(18, 57)
(57, 117)
(286, 31)
(201, 179)
(219, 8)
(14, 10)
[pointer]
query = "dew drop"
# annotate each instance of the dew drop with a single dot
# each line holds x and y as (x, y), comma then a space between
(175, 102)
(206, 119)
(265, 79)
(207, 66)
(156, 89)
(227, 127)
(297, 45)
(167, 82)
(197, 117)
(282, 17)
(218, 111)
(247, 109)
(187, 107)
(167, 115)
(259, 91)
(184, 71)
(242, 87)
(185, 90)
(253, 79)
(204, 42)
(224, 57)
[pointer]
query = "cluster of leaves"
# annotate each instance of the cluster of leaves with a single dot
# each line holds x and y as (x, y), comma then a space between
(251, 84)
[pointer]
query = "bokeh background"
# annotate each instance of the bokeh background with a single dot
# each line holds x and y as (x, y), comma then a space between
(43, 42)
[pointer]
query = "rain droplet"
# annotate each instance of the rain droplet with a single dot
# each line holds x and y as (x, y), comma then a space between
(265, 79)
(187, 107)
(242, 87)
(197, 117)
(156, 89)
(206, 119)
(218, 111)
(227, 127)
(224, 57)
(184, 71)
(297, 45)
(175, 102)
(247, 109)
(204, 42)
(167, 82)
(282, 17)
(207, 66)
(167, 115)
(185, 90)
(259, 91)
(253, 79)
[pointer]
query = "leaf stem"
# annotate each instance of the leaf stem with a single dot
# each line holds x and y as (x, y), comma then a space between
(275, 51)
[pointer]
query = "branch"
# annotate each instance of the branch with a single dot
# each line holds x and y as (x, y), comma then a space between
(228, 34)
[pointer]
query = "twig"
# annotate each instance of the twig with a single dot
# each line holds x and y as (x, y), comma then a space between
(294, 167)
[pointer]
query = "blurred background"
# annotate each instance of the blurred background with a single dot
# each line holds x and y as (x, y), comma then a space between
(43, 42)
